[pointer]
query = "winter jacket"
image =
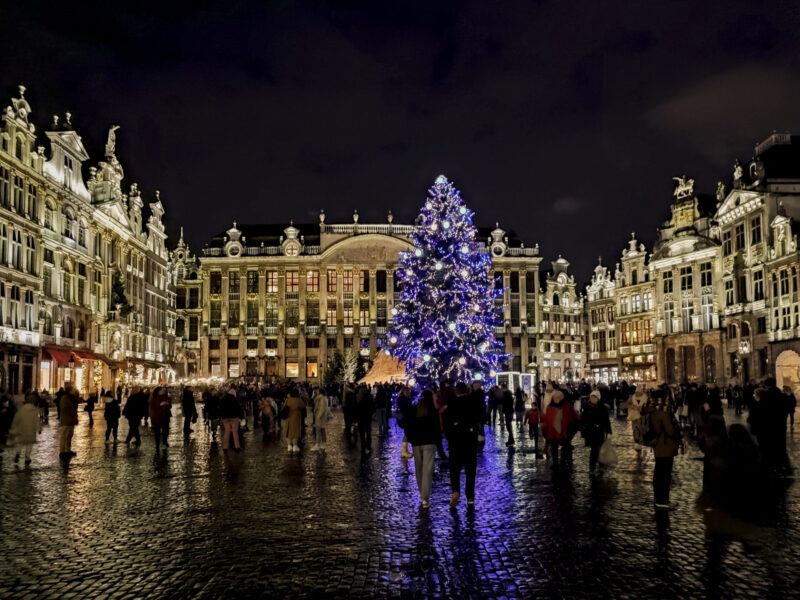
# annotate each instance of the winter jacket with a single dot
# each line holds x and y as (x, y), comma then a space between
(662, 424)
(559, 420)
(25, 425)
(464, 416)
(322, 413)
(69, 410)
(111, 411)
(595, 424)
(230, 408)
(533, 416)
(187, 404)
(423, 427)
(364, 408)
(295, 407)
(160, 410)
(508, 403)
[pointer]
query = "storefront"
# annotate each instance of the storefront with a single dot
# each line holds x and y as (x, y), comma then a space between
(17, 368)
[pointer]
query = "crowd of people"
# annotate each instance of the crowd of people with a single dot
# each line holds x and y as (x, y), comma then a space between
(299, 415)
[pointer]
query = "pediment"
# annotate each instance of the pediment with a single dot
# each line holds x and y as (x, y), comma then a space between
(736, 199)
(116, 211)
(366, 248)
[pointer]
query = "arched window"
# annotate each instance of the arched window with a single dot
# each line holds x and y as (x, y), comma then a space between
(49, 216)
(82, 233)
(745, 329)
(69, 222)
(18, 147)
(67, 329)
(555, 300)
(81, 330)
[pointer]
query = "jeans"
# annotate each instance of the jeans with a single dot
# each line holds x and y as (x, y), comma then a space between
(112, 427)
(161, 431)
(423, 469)
(662, 479)
(65, 439)
(133, 431)
(463, 455)
(230, 428)
(380, 413)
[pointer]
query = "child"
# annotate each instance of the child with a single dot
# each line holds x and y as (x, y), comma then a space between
(533, 417)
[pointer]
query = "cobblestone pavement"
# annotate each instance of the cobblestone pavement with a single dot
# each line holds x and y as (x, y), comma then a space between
(194, 523)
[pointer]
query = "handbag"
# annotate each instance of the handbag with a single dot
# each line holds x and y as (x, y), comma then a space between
(607, 456)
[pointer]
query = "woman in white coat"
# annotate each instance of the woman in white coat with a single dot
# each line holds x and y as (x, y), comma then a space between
(24, 429)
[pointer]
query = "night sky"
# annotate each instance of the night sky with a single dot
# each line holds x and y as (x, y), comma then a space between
(564, 121)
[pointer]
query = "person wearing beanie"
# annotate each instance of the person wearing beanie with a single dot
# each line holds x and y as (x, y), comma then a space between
(595, 426)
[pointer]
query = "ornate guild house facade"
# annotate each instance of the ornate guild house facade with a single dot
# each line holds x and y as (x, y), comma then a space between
(85, 292)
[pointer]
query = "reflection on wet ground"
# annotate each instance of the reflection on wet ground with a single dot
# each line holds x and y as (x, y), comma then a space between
(193, 522)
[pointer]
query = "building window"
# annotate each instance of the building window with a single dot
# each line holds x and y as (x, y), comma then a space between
(669, 314)
(381, 312)
(215, 316)
(347, 281)
(312, 281)
(761, 325)
(758, 285)
(215, 282)
(312, 313)
(363, 281)
(380, 282)
(739, 237)
(729, 292)
(252, 282)
(331, 312)
(5, 186)
(687, 310)
(647, 331)
(686, 278)
(271, 314)
(784, 278)
(636, 303)
(705, 274)
(252, 313)
(363, 312)
(755, 230)
(193, 329)
(726, 243)
(741, 291)
(647, 303)
(69, 223)
(331, 281)
(233, 286)
(292, 281)
(292, 314)
(272, 282)
(623, 305)
(292, 369)
(19, 194)
(668, 282)
(347, 315)
(311, 369)
(706, 309)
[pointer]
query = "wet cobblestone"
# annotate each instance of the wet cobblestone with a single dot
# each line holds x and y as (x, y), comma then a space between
(194, 523)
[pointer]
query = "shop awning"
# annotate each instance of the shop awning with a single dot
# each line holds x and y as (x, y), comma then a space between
(87, 355)
(62, 356)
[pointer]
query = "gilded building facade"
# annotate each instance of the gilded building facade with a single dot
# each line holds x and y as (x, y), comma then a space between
(601, 329)
(64, 242)
(277, 301)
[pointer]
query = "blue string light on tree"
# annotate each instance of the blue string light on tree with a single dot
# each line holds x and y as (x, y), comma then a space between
(443, 324)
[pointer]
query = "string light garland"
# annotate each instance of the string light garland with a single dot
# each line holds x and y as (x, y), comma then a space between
(439, 329)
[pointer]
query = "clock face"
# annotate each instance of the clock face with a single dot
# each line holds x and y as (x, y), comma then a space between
(233, 251)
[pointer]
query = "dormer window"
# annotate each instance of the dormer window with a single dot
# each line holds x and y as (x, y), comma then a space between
(69, 223)
(68, 168)
(18, 147)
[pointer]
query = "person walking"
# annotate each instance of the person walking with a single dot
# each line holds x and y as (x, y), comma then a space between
(160, 414)
(464, 418)
(404, 413)
(68, 421)
(791, 404)
(768, 423)
(24, 427)
(89, 409)
(7, 411)
(559, 419)
(381, 403)
(634, 406)
(322, 415)
(365, 408)
(111, 413)
(533, 418)
(349, 409)
(519, 406)
(134, 409)
(424, 433)
(230, 413)
(595, 426)
(189, 411)
(294, 407)
(507, 405)
(665, 449)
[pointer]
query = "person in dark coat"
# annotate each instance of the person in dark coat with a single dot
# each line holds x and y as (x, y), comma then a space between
(365, 407)
(508, 413)
(424, 434)
(595, 426)
(89, 409)
(189, 411)
(349, 409)
(768, 423)
(230, 413)
(665, 449)
(111, 413)
(160, 415)
(464, 418)
(133, 412)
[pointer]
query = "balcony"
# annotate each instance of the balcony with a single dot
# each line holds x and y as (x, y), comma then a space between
(330, 329)
(214, 331)
(380, 330)
(270, 331)
(252, 330)
(500, 329)
(312, 329)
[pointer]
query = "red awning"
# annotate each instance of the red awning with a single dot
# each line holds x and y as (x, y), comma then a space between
(62, 357)
(86, 355)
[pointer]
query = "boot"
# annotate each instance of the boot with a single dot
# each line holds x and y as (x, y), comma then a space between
(404, 453)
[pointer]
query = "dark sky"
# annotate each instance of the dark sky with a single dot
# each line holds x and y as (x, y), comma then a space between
(564, 120)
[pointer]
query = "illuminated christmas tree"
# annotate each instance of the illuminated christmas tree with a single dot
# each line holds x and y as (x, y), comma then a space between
(444, 322)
